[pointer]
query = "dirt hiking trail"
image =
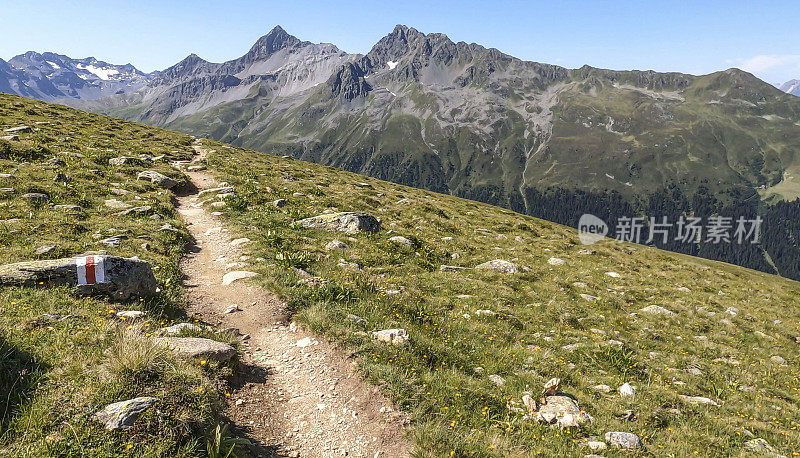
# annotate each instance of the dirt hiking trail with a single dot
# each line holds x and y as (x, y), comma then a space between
(296, 395)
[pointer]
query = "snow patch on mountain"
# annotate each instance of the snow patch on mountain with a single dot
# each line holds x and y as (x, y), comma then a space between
(104, 74)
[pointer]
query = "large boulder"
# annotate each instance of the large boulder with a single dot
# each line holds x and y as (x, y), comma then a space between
(158, 179)
(348, 222)
(118, 277)
(198, 347)
(121, 415)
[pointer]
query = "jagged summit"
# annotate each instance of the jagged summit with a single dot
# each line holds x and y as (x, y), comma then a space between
(275, 40)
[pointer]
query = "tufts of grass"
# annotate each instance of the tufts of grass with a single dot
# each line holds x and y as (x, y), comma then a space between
(572, 321)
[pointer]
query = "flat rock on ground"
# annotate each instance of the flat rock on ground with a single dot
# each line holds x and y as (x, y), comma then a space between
(122, 415)
(237, 275)
(198, 347)
(499, 265)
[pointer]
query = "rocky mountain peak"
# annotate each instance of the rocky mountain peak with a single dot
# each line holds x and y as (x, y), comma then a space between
(791, 87)
(410, 46)
(192, 65)
(275, 40)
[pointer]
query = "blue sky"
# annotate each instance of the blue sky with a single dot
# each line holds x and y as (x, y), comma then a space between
(761, 37)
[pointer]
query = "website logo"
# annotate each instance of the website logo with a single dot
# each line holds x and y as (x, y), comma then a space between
(591, 229)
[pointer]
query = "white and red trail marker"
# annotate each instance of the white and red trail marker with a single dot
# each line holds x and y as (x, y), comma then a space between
(91, 270)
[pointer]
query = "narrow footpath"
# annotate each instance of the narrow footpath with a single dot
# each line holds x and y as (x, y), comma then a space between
(296, 395)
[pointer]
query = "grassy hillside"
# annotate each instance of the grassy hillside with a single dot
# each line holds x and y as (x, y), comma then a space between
(56, 373)
(733, 337)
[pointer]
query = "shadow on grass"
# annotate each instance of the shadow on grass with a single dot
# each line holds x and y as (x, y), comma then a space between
(19, 372)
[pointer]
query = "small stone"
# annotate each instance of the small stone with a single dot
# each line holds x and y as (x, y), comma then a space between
(596, 446)
(497, 380)
(613, 274)
(356, 319)
(232, 308)
(589, 297)
(131, 315)
(279, 203)
(626, 390)
(628, 441)
(556, 262)
(552, 386)
(125, 160)
(121, 415)
(114, 241)
(684, 289)
(137, 211)
(657, 310)
(401, 240)
(444, 268)
(488, 313)
(602, 388)
(392, 336)
(336, 244)
(240, 241)
(349, 266)
(529, 403)
(698, 400)
(67, 207)
(778, 360)
(36, 197)
(304, 342)
(695, 371)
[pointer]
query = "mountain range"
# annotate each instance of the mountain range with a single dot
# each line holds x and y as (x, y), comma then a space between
(459, 118)
(51, 76)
